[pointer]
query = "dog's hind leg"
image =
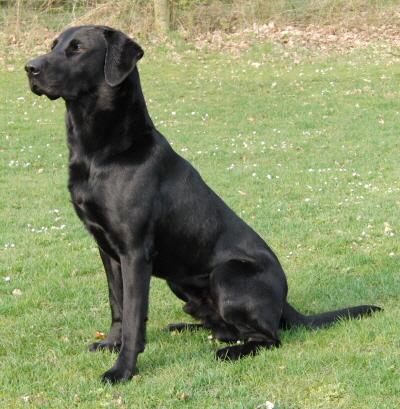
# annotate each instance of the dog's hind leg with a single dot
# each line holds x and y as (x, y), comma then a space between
(250, 298)
(184, 294)
(113, 271)
(182, 326)
(199, 304)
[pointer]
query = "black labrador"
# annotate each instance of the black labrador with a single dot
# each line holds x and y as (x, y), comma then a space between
(151, 213)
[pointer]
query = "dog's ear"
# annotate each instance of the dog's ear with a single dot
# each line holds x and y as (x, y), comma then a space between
(121, 57)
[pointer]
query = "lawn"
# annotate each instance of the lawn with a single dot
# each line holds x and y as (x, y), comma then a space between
(303, 145)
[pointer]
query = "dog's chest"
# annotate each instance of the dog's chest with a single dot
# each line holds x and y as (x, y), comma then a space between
(85, 193)
(89, 210)
(92, 211)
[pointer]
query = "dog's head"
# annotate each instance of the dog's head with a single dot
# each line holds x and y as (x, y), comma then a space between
(80, 60)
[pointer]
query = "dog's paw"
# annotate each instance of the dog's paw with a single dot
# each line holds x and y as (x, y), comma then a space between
(180, 326)
(116, 374)
(249, 348)
(229, 353)
(102, 345)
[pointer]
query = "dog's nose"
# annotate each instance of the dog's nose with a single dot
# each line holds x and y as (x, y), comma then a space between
(33, 68)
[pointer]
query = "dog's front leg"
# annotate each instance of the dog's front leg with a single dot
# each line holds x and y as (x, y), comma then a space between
(136, 272)
(115, 288)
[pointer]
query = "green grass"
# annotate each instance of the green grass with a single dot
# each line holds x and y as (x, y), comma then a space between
(303, 146)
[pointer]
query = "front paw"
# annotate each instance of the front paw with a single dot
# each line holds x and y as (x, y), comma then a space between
(116, 374)
(101, 345)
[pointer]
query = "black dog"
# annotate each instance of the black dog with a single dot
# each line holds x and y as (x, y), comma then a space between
(151, 213)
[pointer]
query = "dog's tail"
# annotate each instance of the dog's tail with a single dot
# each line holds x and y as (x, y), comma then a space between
(292, 318)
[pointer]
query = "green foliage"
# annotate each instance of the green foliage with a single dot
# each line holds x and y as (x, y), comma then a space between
(303, 145)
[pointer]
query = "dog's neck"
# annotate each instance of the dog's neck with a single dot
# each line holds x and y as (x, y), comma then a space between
(110, 119)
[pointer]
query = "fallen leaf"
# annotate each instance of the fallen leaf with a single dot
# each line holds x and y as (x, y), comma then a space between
(99, 335)
(184, 396)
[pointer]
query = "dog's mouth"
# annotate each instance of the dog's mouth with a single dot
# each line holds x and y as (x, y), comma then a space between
(36, 89)
(52, 96)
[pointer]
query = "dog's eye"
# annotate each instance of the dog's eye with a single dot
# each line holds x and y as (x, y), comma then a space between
(76, 47)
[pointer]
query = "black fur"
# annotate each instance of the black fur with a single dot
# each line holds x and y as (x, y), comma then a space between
(151, 213)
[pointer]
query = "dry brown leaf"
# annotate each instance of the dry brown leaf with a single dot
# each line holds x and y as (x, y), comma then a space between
(64, 338)
(99, 335)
